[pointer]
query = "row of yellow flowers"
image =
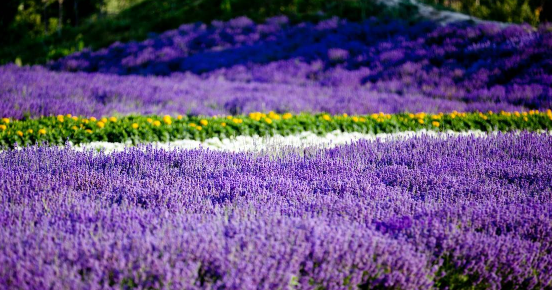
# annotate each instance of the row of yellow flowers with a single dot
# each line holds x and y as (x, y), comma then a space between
(60, 128)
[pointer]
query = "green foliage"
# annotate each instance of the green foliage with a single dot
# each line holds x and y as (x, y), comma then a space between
(516, 11)
(139, 129)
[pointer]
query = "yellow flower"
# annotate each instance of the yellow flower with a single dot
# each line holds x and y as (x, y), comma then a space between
(525, 119)
(203, 122)
(179, 117)
(113, 119)
(69, 115)
(20, 133)
(60, 118)
(135, 125)
(268, 120)
(42, 131)
(326, 117)
(3, 127)
(287, 116)
(149, 120)
(421, 121)
(362, 119)
(167, 119)
(223, 124)
(30, 131)
(237, 120)
(192, 125)
(435, 117)
(88, 131)
(229, 117)
(75, 128)
(156, 123)
(255, 116)
(104, 120)
(354, 118)
(198, 128)
(411, 116)
(100, 124)
(93, 119)
(435, 123)
(5, 120)
(490, 112)
(75, 118)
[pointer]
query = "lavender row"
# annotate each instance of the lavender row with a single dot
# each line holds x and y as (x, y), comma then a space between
(35, 91)
(464, 62)
(412, 214)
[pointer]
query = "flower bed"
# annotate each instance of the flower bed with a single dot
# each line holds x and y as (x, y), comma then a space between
(140, 129)
(410, 214)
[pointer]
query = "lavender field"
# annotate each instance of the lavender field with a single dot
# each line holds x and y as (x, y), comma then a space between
(432, 211)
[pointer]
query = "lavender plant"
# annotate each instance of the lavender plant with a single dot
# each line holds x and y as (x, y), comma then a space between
(462, 62)
(423, 213)
(35, 92)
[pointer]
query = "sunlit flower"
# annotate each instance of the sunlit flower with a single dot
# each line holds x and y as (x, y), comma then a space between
(435, 123)
(421, 121)
(93, 119)
(5, 120)
(69, 115)
(179, 117)
(149, 120)
(287, 116)
(198, 128)
(113, 119)
(88, 131)
(354, 118)
(156, 123)
(42, 131)
(75, 118)
(104, 120)
(326, 117)
(167, 119)
(134, 125)
(3, 127)
(100, 124)
(268, 120)
(30, 131)
(19, 133)
(75, 128)
(223, 124)
(192, 124)
(203, 122)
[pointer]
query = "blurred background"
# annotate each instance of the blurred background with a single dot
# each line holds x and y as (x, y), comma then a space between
(36, 31)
